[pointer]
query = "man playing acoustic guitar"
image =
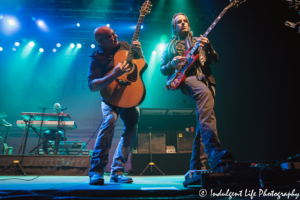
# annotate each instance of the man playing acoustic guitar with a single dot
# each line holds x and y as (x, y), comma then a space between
(199, 86)
(102, 72)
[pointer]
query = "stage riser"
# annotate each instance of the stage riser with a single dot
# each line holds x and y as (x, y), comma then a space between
(35, 165)
(169, 163)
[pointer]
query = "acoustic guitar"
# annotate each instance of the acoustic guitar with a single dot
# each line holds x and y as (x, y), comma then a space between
(175, 80)
(129, 89)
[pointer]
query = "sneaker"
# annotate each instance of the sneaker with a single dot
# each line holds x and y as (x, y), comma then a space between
(96, 179)
(120, 179)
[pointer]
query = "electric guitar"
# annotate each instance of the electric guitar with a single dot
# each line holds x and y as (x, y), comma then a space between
(175, 80)
(129, 89)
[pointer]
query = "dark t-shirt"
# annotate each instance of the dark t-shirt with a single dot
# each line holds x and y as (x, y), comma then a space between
(100, 64)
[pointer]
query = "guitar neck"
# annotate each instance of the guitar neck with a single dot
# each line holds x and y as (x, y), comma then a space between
(135, 37)
(210, 28)
(207, 32)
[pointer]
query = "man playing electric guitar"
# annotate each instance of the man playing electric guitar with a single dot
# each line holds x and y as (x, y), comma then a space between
(102, 72)
(199, 85)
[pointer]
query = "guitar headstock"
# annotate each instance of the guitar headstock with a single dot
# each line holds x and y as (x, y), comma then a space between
(235, 3)
(146, 7)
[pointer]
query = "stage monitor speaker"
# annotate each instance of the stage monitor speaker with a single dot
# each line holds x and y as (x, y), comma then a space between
(158, 143)
(185, 141)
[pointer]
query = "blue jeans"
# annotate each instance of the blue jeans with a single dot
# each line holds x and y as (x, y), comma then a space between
(206, 132)
(130, 118)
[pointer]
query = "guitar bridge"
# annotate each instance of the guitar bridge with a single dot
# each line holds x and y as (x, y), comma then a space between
(123, 82)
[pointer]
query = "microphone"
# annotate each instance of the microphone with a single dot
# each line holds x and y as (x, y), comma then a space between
(45, 107)
(63, 109)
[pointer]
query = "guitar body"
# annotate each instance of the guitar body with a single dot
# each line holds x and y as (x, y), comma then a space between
(129, 89)
(175, 80)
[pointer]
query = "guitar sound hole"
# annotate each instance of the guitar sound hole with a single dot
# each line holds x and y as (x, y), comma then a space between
(133, 75)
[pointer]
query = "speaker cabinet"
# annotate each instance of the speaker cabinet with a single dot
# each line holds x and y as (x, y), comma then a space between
(158, 143)
(185, 141)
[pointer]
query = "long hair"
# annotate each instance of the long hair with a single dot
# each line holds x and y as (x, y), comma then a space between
(173, 24)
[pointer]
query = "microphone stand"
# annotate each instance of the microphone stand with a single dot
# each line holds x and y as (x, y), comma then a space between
(37, 149)
(151, 163)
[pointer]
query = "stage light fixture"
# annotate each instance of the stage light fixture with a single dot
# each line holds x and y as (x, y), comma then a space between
(10, 25)
(1, 49)
(154, 53)
(78, 25)
(31, 44)
(41, 50)
(93, 46)
(17, 44)
(14, 49)
(54, 50)
(79, 45)
(58, 45)
(108, 25)
(162, 47)
(11, 22)
(72, 45)
(41, 23)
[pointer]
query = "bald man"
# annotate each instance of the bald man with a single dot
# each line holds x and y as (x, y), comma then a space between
(101, 63)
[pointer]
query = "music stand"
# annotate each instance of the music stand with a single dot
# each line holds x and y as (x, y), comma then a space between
(150, 150)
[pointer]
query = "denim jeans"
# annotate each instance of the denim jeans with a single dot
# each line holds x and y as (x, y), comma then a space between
(206, 132)
(130, 118)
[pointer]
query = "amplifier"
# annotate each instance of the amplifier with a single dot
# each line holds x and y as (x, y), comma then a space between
(158, 142)
(185, 141)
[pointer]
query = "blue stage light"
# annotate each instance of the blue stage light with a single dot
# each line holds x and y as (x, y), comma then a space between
(41, 50)
(72, 45)
(14, 49)
(10, 25)
(1, 16)
(154, 53)
(142, 26)
(78, 24)
(11, 22)
(58, 45)
(31, 44)
(41, 23)
(17, 44)
(1, 49)
(93, 46)
(108, 25)
(54, 50)
(79, 45)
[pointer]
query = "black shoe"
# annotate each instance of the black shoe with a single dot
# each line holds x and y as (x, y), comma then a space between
(215, 157)
(96, 179)
(120, 179)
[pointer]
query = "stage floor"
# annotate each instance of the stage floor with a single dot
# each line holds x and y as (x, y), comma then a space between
(78, 186)
(143, 187)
